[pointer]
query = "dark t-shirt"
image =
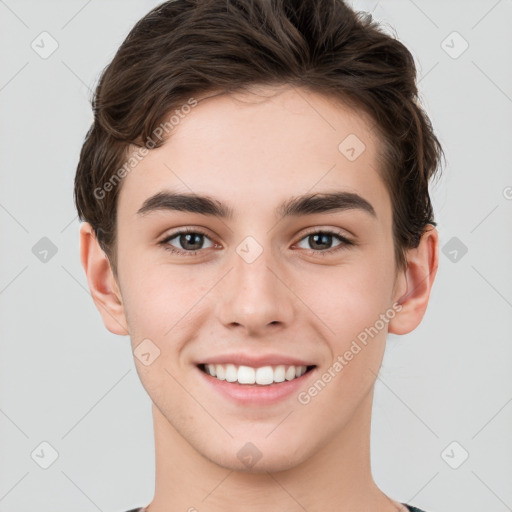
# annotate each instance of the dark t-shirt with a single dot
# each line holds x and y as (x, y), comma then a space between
(411, 508)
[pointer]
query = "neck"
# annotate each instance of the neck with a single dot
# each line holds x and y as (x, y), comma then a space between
(337, 477)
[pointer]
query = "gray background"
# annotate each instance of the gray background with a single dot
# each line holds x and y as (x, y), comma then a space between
(65, 380)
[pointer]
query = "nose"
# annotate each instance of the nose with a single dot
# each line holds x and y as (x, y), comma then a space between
(255, 296)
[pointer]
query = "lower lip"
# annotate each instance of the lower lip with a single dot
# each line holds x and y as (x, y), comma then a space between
(246, 394)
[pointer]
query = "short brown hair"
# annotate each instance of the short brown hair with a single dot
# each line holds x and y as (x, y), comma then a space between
(186, 48)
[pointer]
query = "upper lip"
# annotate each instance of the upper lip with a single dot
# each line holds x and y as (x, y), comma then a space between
(256, 361)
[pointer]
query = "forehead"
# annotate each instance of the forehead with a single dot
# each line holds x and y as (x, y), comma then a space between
(257, 150)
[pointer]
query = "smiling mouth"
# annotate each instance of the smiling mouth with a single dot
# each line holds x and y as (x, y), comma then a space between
(262, 376)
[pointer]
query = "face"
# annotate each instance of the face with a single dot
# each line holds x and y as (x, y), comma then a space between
(274, 281)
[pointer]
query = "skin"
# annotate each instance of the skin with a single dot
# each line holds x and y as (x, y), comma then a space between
(252, 153)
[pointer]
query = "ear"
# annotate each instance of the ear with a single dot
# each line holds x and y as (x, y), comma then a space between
(415, 282)
(102, 283)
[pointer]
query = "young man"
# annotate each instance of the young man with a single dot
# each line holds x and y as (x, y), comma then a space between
(257, 219)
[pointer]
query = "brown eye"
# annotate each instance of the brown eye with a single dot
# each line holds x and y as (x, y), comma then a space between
(322, 241)
(190, 242)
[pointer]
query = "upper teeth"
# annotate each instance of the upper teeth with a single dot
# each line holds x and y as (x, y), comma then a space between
(248, 375)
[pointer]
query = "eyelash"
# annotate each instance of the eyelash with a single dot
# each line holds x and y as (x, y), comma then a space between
(345, 242)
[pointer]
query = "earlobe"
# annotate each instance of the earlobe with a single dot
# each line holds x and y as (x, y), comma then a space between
(102, 284)
(419, 278)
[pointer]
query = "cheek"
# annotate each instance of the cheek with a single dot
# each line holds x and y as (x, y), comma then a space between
(350, 303)
(349, 298)
(160, 300)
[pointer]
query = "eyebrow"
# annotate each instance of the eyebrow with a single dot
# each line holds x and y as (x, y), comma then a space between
(308, 204)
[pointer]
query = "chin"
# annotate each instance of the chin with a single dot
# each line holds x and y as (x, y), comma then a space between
(257, 456)
(273, 463)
